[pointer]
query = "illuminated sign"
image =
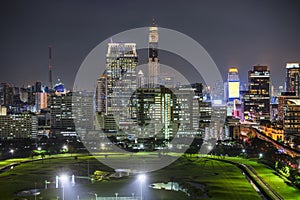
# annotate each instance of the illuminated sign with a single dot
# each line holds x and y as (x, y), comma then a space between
(292, 65)
(233, 89)
(233, 70)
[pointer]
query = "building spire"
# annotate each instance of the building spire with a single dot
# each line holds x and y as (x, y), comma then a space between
(154, 24)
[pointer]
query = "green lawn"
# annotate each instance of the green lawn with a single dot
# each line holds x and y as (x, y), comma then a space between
(270, 177)
(222, 180)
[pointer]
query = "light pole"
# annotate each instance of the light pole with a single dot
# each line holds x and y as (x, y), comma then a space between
(63, 179)
(34, 190)
(142, 178)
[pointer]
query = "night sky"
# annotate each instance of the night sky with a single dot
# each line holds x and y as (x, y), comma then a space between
(235, 33)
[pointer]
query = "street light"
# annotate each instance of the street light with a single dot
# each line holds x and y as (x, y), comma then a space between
(12, 153)
(63, 178)
(142, 178)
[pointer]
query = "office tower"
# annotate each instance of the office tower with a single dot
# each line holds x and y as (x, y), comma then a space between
(18, 126)
(117, 85)
(82, 110)
(187, 109)
(232, 88)
(291, 120)
(153, 61)
(155, 112)
(233, 84)
(101, 94)
(256, 101)
(282, 102)
(61, 119)
(205, 111)
(292, 78)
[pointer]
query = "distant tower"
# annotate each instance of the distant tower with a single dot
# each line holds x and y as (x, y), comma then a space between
(153, 61)
(140, 79)
(292, 78)
(233, 84)
(50, 66)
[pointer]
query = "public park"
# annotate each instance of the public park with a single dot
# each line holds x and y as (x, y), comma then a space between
(192, 176)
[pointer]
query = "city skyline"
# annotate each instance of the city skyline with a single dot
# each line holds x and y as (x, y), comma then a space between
(238, 35)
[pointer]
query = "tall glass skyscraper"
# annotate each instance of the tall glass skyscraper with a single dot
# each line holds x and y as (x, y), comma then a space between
(116, 85)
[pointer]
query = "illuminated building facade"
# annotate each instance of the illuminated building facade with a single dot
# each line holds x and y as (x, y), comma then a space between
(41, 100)
(292, 78)
(157, 111)
(256, 101)
(100, 94)
(61, 118)
(205, 111)
(18, 126)
(273, 132)
(187, 110)
(233, 91)
(291, 121)
(233, 84)
(82, 109)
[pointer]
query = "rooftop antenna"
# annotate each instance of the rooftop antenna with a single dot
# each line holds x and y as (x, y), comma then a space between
(50, 66)
(154, 21)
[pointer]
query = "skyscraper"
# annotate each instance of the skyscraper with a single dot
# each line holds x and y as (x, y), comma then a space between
(257, 100)
(233, 84)
(153, 61)
(117, 84)
(292, 78)
(61, 114)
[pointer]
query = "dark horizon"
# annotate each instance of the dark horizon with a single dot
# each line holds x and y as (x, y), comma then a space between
(235, 34)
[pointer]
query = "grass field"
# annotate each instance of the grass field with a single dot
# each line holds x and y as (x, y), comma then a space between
(222, 180)
(270, 177)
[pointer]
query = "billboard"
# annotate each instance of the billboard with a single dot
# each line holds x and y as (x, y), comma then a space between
(233, 90)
